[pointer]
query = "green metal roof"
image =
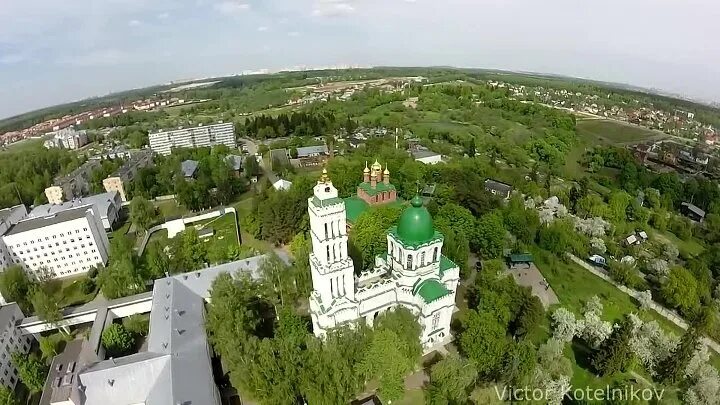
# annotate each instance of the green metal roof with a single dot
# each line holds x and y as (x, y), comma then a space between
(326, 202)
(446, 264)
(415, 224)
(379, 188)
(354, 206)
(430, 290)
(521, 258)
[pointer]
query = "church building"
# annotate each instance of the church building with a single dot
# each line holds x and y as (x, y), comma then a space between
(413, 273)
(375, 189)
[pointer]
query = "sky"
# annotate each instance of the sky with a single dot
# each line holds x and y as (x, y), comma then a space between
(59, 51)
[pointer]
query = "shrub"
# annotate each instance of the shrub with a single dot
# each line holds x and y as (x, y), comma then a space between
(117, 340)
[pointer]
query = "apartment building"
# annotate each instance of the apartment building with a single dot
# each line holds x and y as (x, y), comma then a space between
(65, 243)
(67, 138)
(11, 341)
(105, 205)
(194, 137)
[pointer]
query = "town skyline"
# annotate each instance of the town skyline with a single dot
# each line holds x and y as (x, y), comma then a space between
(52, 54)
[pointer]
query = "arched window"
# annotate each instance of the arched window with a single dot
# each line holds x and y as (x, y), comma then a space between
(392, 248)
(435, 254)
(328, 252)
(399, 254)
(409, 262)
(422, 258)
(326, 231)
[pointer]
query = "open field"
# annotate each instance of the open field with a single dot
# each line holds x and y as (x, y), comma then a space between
(615, 132)
(25, 145)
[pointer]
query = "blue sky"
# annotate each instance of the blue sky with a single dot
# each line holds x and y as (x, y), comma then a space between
(57, 51)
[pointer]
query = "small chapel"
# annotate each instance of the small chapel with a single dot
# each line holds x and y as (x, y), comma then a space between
(412, 273)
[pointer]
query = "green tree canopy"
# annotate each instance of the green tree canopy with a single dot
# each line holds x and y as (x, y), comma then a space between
(15, 287)
(117, 340)
(142, 213)
(32, 371)
(450, 380)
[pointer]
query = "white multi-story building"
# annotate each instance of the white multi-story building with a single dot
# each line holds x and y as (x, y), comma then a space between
(203, 135)
(413, 273)
(65, 243)
(67, 138)
(11, 341)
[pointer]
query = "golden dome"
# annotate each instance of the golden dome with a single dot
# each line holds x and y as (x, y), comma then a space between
(377, 166)
(386, 172)
(366, 170)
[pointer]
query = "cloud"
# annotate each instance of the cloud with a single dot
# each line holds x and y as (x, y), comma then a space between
(231, 7)
(262, 28)
(332, 8)
(134, 23)
(11, 59)
(293, 34)
(163, 16)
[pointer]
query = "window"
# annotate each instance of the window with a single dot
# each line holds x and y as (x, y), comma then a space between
(326, 231)
(422, 258)
(435, 320)
(435, 254)
(409, 262)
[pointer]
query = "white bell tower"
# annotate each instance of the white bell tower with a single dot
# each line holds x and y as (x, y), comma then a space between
(331, 267)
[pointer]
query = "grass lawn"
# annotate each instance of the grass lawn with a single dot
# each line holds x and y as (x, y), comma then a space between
(614, 132)
(574, 286)
(170, 209)
(68, 291)
(26, 145)
(690, 247)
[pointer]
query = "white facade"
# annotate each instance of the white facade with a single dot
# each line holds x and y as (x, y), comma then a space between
(67, 243)
(67, 138)
(412, 274)
(217, 134)
(11, 341)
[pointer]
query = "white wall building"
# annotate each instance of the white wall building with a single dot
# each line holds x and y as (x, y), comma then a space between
(105, 205)
(203, 135)
(66, 243)
(426, 156)
(11, 341)
(67, 138)
(413, 274)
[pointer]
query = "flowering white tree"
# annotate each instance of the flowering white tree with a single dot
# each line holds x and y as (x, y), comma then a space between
(650, 343)
(644, 298)
(705, 382)
(593, 227)
(593, 305)
(597, 246)
(659, 267)
(670, 252)
(594, 330)
(565, 326)
(556, 389)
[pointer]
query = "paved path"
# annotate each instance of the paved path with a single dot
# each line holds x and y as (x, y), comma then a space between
(671, 316)
(530, 276)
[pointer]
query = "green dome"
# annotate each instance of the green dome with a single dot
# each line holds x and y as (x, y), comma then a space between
(415, 223)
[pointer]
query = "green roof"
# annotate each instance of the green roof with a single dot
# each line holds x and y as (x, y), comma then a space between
(354, 206)
(446, 264)
(327, 202)
(415, 224)
(430, 290)
(379, 188)
(521, 258)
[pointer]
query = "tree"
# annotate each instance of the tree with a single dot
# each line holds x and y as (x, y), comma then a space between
(490, 234)
(7, 397)
(47, 348)
(136, 324)
(565, 326)
(681, 290)
(251, 167)
(32, 371)
(672, 368)
(15, 287)
(530, 316)
(368, 233)
(484, 342)
(519, 362)
(404, 324)
(123, 275)
(157, 261)
(386, 361)
(46, 306)
(615, 354)
(142, 213)
(187, 251)
(450, 379)
(117, 340)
